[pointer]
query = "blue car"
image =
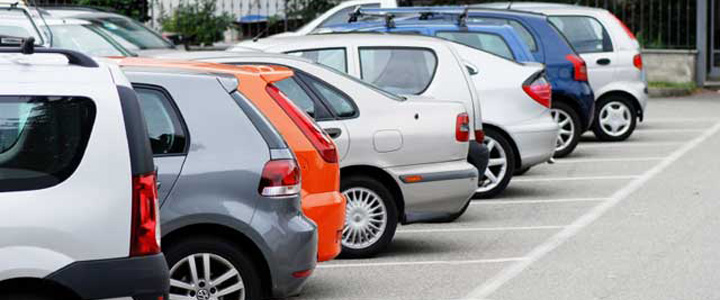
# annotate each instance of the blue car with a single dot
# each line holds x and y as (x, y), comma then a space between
(573, 99)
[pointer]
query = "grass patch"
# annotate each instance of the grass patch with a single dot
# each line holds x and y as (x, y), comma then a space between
(689, 86)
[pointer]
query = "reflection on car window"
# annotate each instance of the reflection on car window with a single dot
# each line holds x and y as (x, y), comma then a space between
(399, 70)
(130, 31)
(83, 39)
(585, 34)
(479, 40)
(164, 127)
(334, 58)
(524, 33)
(15, 23)
(297, 94)
(339, 103)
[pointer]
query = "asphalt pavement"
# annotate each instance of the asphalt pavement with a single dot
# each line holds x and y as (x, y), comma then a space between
(631, 220)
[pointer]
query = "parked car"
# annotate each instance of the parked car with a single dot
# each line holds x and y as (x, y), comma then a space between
(337, 15)
(615, 66)
(232, 222)
(573, 100)
(77, 182)
(518, 129)
(402, 161)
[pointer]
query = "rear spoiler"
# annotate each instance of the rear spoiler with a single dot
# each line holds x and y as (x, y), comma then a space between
(73, 57)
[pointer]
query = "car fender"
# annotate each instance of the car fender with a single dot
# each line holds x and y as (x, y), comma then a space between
(31, 262)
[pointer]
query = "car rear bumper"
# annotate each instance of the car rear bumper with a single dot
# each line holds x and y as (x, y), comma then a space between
(327, 210)
(535, 140)
(139, 278)
(435, 191)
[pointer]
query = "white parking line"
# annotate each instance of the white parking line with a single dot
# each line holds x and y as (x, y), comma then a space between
(682, 120)
(579, 178)
(489, 287)
(474, 229)
(503, 202)
(629, 144)
(605, 160)
(670, 130)
(415, 263)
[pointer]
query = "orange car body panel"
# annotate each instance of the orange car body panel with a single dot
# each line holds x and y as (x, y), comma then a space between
(321, 199)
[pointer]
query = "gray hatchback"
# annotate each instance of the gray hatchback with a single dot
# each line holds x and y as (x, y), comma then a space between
(229, 189)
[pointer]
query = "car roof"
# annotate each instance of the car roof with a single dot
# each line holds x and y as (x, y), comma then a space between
(318, 39)
(545, 7)
(200, 55)
(41, 67)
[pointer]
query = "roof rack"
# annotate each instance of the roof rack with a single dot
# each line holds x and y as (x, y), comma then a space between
(73, 57)
(359, 12)
(424, 13)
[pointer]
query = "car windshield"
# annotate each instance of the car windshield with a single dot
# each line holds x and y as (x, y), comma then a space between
(16, 23)
(127, 31)
(84, 38)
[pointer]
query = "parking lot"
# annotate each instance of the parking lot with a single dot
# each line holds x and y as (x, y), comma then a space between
(612, 221)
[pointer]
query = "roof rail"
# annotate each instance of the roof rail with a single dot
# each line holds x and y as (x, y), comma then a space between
(425, 12)
(359, 12)
(73, 57)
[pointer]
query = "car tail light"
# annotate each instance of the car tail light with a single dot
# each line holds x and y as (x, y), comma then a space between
(280, 178)
(322, 143)
(479, 135)
(627, 30)
(539, 89)
(145, 231)
(579, 67)
(637, 61)
(462, 128)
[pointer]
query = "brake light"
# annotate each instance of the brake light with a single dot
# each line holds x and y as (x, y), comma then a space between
(280, 178)
(479, 135)
(579, 67)
(637, 61)
(322, 143)
(462, 128)
(627, 30)
(539, 89)
(145, 231)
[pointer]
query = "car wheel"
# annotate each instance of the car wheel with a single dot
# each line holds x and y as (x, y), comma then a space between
(615, 119)
(569, 133)
(371, 217)
(500, 166)
(208, 267)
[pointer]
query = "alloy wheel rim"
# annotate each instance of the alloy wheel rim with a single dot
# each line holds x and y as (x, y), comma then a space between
(365, 218)
(497, 166)
(615, 118)
(566, 129)
(205, 276)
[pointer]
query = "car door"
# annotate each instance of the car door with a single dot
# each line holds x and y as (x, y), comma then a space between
(168, 135)
(591, 40)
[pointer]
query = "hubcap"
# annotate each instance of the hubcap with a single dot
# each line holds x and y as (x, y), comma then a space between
(205, 276)
(615, 118)
(497, 166)
(365, 218)
(566, 131)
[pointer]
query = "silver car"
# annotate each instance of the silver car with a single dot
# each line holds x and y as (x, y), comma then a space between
(401, 161)
(514, 98)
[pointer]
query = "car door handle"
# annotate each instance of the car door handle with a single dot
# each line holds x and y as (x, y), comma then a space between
(603, 61)
(333, 132)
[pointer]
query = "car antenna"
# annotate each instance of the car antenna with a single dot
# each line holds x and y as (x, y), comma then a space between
(259, 35)
(28, 46)
(49, 31)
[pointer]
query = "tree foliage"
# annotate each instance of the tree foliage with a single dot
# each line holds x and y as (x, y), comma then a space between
(197, 22)
(136, 9)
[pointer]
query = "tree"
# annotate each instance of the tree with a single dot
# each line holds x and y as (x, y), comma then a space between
(197, 22)
(136, 9)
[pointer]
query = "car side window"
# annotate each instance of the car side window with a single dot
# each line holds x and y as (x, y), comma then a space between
(340, 103)
(489, 42)
(334, 58)
(167, 135)
(42, 139)
(585, 34)
(398, 70)
(298, 95)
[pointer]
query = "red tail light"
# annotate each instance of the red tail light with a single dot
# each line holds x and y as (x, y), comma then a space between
(627, 30)
(280, 178)
(580, 69)
(322, 143)
(479, 135)
(637, 61)
(462, 128)
(539, 89)
(145, 231)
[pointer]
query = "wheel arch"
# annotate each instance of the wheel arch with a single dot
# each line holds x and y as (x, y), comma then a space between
(385, 178)
(559, 97)
(506, 135)
(623, 94)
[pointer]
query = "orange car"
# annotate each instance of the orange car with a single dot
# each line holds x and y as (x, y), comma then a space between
(315, 151)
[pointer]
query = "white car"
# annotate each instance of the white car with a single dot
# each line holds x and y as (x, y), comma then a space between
(614, 63)
(78, 198)
(402, 161)
(514, 98)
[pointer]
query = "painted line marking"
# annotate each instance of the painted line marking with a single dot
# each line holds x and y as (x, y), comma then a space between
(682, 120)
(489, 287)
(504, 202)
(416, 263)
(670, 130)
(580, 178)
(605, 160)
(475, 229)
(628, 144)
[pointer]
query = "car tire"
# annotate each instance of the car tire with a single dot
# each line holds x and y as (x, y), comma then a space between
(500, 167)
(380, 211)
(223, 255)
(570, 128)
(615, 119)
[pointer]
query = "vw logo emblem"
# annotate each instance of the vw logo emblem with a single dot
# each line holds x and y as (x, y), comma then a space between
(203, 295)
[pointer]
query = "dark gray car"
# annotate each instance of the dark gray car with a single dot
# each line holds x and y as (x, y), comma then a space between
(232, 224)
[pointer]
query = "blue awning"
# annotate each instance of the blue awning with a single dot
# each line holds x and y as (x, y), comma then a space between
(252, 19)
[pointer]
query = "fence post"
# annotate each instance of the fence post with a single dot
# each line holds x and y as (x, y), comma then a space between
(701, 41)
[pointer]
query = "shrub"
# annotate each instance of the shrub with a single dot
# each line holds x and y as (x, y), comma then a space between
(197, 22)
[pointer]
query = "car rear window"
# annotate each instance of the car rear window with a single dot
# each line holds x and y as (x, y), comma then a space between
(585, 34)
(42, 139)
(524, 33)
(489, 42)
(334, 58)
(398, 70)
